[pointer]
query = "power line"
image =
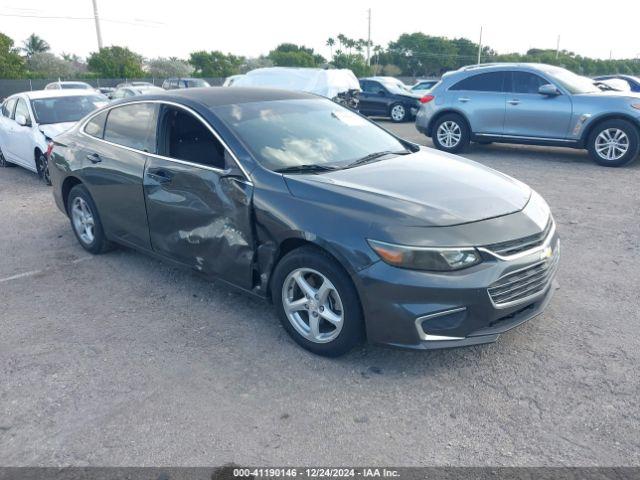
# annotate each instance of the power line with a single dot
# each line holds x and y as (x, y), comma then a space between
(65, 17)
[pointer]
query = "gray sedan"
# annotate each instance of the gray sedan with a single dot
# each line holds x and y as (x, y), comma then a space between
(531, 104)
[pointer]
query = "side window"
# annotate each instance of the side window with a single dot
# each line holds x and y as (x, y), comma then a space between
(377, 88)
(184, 137)
(173, 84)
(132, 126)
(484, 82)
(365, 86)
(95, 126)
(524, 82)
(8, 106)
(22, 109)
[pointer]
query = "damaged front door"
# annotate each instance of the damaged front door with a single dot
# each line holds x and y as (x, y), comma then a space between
(198, 203)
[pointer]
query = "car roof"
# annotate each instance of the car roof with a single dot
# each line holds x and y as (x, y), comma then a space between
(37, 94)
(220, 96)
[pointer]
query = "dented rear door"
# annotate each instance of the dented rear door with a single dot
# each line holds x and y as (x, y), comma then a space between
(201, 218)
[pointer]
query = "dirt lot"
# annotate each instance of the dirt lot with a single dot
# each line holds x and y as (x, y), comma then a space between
(121, 360)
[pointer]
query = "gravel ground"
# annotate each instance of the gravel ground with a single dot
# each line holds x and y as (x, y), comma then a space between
(122, 360)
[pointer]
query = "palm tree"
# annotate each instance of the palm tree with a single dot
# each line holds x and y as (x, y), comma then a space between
(330, 43)
(342, 40)
(35, 44)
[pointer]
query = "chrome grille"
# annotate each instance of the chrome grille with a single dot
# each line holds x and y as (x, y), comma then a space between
(521, 244)
(525, 283)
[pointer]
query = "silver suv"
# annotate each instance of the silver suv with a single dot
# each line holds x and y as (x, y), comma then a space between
(532, 104)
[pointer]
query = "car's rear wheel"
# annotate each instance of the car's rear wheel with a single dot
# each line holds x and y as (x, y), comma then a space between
(85, 221)
(317, 302)
(398, 113)
(451, 134)
(3, 161)
(614, 143)
(42, 165)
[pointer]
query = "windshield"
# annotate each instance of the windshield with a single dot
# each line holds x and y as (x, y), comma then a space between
(396, 87)
(288, 133)
(573, 83)
(65, 109)
(196, 83)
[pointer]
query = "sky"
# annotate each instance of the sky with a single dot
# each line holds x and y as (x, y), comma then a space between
(250, 28)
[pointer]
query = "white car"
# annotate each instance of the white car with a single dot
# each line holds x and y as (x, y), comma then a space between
(229, 81)
(30, 120)
(68, 86)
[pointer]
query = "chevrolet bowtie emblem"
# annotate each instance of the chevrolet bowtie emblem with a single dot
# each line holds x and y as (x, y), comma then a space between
(546, 253)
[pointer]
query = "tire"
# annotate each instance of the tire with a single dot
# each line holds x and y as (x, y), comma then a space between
(336, 308)
(609, 139)
(398, 113)
(451, 134)
(3, 161)
(79, 201)
(42, 165)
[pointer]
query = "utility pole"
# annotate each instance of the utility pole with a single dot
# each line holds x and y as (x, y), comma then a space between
(558, 47)
(97, 19)
(369, 40)
(480, 45)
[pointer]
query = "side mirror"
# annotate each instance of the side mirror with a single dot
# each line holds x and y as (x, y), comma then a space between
(382, 93)
(549, 90)
(22, 120)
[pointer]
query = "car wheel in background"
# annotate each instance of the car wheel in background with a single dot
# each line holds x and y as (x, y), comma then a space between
(3, 161)
(85, 221)
(317, 302)
(42, 165)
(398, 113)
(614, 143)
(450, 133)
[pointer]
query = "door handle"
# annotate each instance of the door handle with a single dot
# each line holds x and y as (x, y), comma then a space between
(94, 158)
(515, 101)
(160, 176)
(464, 99)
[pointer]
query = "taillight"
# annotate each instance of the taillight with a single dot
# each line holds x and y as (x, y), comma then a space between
(49, 148)
(427, 98)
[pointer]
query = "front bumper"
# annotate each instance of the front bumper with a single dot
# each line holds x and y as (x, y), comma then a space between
(424, 310)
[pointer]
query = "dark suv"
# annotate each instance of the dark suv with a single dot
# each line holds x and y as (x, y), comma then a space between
(388, 97)
(173, 83)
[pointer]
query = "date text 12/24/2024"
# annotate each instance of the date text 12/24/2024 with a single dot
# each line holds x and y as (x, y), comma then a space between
(315, 472)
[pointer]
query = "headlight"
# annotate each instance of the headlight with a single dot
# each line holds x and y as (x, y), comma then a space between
(426, 258)
(636, 106)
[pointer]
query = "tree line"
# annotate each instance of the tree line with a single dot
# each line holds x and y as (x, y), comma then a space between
(415, 55)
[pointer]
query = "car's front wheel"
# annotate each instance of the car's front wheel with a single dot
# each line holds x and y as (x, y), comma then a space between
(614, 143)
(85, 221)
(398, 113)
(42, 165)
(451, 134)
(317, 302)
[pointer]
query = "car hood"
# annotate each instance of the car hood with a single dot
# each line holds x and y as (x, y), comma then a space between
(612, 94)
(426, 188)
(52, 129)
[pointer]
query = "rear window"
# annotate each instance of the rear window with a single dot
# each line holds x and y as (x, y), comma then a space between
(66, 109)
(132, 126)
(484, 82)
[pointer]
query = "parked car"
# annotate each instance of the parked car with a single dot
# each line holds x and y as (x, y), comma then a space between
(131, 91)
(350, 231)
(106, 91)
(173, 83)
(422, 87)
(30, 120)
(68, 86)
(630, 80)
(339, 84)
(388, 97)
(531, 104)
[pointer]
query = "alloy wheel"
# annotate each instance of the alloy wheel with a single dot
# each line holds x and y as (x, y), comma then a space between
(449, 134)
(397, 113)
(612, 144)
(312, 305)
(83, 221)
(43, 169)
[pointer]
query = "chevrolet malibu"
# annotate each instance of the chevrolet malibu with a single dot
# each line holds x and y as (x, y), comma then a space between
(351, 232)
